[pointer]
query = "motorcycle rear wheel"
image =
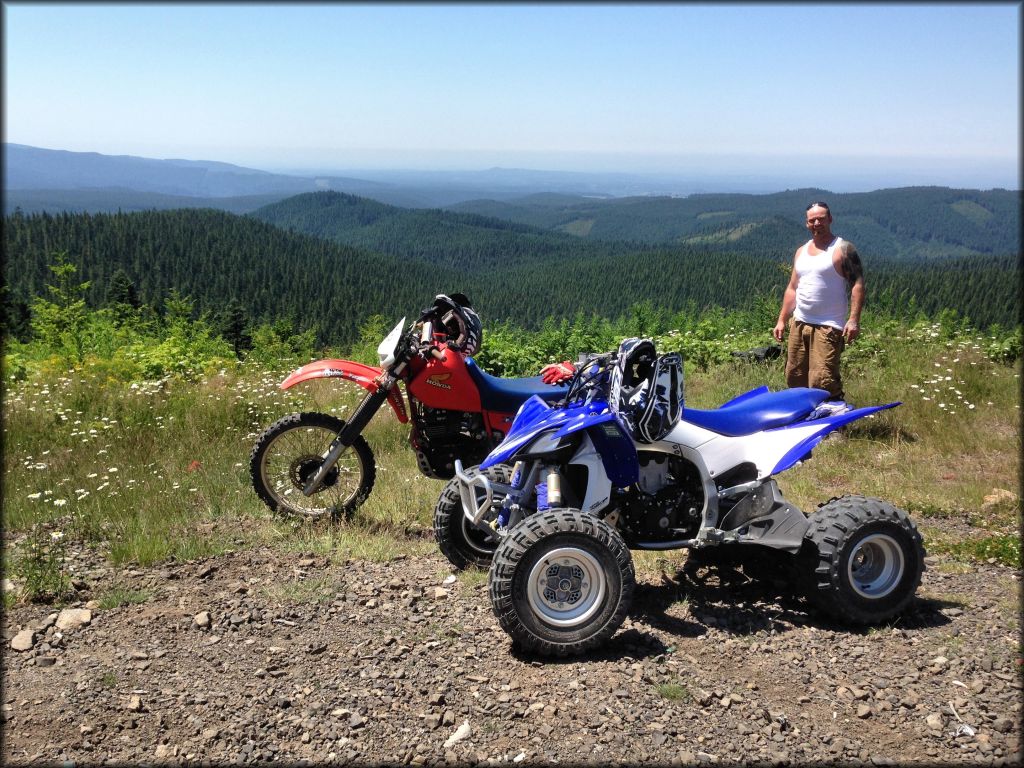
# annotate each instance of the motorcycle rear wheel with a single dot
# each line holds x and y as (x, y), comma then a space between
(561, 582)
(457, 538)
(865, 558)
(290, 451)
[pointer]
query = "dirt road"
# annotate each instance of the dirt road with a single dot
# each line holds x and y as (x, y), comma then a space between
(261, 657)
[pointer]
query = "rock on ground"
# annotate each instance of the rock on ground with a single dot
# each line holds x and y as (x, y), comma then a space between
(233, 660)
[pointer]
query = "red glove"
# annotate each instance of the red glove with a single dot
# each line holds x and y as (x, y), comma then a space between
(557, 373)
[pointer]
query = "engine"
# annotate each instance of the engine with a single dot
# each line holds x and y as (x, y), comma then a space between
(666, 503)
(440, 436)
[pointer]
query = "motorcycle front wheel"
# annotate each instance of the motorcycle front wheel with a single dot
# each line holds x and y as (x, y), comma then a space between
(289, 453)
(561, 582)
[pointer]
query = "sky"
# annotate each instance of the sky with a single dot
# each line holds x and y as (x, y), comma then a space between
(929, 93)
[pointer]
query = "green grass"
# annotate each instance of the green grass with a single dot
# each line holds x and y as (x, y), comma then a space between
(1002, 548)
(155, 470)
(673, 692)
(166, 472)
(651, 565)
(39, 561)
(315, 589)
(954, 440)
(119, 596)
(473, 578)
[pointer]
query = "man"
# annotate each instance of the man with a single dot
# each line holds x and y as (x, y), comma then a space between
(825, 269)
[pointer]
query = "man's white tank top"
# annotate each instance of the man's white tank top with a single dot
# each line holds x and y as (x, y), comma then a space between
(820, 291)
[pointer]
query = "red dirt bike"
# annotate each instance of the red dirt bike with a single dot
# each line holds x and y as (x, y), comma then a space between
(315, 465)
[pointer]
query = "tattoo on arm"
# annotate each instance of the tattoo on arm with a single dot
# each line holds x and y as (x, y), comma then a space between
(851, 264)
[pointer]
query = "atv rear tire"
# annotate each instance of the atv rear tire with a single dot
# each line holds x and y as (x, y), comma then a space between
(865, 558)
(561, 582)
(459, 540)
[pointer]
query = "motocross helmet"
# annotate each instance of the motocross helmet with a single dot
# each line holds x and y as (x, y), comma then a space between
(646, 390)
(455, 315)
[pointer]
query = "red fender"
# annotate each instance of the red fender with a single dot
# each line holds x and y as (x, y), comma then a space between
(365, 376)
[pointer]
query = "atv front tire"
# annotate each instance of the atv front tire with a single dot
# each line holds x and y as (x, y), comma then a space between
(561, 582)
(865, 559)
(458, 539)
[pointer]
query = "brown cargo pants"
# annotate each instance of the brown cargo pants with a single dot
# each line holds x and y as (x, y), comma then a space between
(813, 357)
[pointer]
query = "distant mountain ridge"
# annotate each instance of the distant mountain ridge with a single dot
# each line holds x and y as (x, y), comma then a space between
(33, 168)
(37, 179)
(909, 222)
(51, 181)
(905, 222)
(912, 223)
(446, 238)
(126, 200)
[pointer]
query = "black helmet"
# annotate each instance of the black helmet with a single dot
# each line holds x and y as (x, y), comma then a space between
(633, 365)
(455, 315)
(647, 390)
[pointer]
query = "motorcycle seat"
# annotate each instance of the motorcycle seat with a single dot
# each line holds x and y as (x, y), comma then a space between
(506, 395)
(760, 411)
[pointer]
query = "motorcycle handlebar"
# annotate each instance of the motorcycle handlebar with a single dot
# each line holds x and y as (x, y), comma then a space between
(422, 342)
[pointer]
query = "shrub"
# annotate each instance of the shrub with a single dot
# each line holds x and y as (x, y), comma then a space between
(42, 566)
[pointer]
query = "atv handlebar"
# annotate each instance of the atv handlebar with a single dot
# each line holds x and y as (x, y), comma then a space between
(590, 375)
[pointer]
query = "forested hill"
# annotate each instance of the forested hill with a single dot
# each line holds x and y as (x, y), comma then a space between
(216, 257)
(213, 257)
(463, 241)
(907, 222)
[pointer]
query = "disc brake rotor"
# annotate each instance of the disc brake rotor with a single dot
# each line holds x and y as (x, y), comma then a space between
(305, 467)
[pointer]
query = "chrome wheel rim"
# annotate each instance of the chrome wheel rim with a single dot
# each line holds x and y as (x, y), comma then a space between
(566, 587)
(293, 458)
(876, 566)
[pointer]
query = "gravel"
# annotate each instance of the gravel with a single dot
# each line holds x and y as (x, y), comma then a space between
(261, 656)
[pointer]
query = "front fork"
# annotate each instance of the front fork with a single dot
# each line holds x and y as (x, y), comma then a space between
(352, 429)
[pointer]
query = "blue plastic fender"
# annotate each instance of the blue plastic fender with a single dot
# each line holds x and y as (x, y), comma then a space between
(828, 424)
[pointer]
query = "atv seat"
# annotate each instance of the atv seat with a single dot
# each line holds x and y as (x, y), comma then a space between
(758, 410)
(506, 395)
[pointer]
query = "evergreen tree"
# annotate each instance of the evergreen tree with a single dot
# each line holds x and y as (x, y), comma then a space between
(59, 321)
(17, 315)
(122, 298)
(121, 290)
(233, 325)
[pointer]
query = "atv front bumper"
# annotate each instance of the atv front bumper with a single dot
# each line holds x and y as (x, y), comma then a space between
(475, 509)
